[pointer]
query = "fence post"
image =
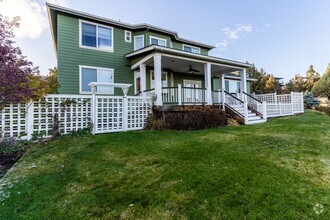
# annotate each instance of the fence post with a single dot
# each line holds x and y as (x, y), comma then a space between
(219, 97)
(264, 109)
(275, 97)
(29, 120)
(246, 115)
(292, 109)
(93, 110)
(125, 113)
(179, 94)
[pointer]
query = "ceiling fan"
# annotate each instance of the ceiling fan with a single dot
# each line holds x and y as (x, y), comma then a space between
(192, 70)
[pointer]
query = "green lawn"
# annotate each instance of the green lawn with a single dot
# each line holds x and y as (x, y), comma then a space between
(275, 170)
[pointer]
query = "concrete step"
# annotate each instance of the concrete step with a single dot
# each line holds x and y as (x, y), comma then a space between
(256, 121)
(251, 118)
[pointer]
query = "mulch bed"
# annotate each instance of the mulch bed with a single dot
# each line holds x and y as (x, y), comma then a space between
(7, 161)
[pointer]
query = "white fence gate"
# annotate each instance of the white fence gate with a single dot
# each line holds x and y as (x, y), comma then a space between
(67, 113)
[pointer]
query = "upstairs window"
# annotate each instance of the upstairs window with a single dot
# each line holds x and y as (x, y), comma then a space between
(191, 49)
(157, 41)
(96, 36)
(138, 42)
(128, 36)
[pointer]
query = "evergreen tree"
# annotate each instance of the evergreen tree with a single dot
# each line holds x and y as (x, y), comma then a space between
(322, 87)
(311, 78)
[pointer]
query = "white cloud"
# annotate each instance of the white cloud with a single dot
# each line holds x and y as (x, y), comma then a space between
(232, 34)
(32, 13)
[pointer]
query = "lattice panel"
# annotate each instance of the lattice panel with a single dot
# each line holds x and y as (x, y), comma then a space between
(13, 121)
(269, 98)
(138, 110)
(109, 114)
(284, 98)
(72, 113)
(298, 102)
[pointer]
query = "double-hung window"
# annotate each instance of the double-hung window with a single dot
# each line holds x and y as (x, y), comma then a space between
(96, 74)
(191, 49)
(158, 41)
(128, 36)
(96, 36)
(138, 42)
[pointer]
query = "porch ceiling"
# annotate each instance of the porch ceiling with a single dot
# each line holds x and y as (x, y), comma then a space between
(181, 65)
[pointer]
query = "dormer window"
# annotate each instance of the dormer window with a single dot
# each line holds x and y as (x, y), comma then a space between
(158, 41)
(191, 49)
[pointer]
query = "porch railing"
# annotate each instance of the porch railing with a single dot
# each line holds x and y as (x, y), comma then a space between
(170, 95)
(193, 95)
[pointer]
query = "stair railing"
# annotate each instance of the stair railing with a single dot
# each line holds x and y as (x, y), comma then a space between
(257, 106)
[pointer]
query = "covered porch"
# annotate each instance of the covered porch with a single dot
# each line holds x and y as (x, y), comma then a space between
(180, 78)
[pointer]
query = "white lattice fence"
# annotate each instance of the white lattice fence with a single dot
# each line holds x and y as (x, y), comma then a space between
(281, 105)
(138, 110)
(67, 113)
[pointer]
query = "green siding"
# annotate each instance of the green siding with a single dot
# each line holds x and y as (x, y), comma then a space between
(70, 56)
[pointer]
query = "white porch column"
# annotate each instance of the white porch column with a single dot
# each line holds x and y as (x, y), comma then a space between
(158, 78)
(208, 83)
(223, 87)
(243, 83)
(143, 78)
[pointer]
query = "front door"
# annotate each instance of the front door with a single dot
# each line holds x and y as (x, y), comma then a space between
(192, 92)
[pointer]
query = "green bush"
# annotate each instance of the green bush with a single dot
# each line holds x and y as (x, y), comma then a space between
(190, 119)
(11, 145)
(310, 101)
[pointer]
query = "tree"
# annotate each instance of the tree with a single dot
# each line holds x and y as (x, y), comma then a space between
(298, 83)
(15, 69)
(311, 78)
(52, 81)
(322, 87)
(270, 85)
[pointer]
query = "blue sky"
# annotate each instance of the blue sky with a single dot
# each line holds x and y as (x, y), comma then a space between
(283, 37)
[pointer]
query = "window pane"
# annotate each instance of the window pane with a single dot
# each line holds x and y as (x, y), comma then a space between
(138, 42)
(87, 75)
(154, 41)
(162, 43)
(187, 49)
(88, 35)
(164, 79)
(227, 86)
(195, 50)
(104, 38)
(104, 76)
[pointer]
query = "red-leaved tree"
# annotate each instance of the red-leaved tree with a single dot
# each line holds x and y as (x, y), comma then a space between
(15, 69)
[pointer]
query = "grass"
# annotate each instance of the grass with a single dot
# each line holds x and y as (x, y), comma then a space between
(275, 170)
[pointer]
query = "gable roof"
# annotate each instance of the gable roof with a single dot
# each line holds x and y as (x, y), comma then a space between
(54, 9)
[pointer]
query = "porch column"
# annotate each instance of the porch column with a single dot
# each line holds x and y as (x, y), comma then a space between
(143, 78)
(208, 83)
(243, 83)
(223, 87)
(158, 78)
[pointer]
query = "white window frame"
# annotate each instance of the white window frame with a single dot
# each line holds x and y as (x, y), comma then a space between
(152, 73)
(142, 41)
(185, 81)
(192, 47)
(157, 38)
(97, 68)
(130, 36)
(97, 25)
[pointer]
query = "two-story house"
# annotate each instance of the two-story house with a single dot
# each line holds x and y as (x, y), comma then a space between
(154, 60)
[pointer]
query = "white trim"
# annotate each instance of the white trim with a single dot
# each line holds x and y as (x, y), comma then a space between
(97, 68)
(157, 38)
(142, 41)
(130, 36)
(186, 45)
(152, 72)
(97, 25)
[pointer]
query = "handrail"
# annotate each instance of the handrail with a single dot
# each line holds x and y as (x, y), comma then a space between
(139, 93)
(234, 97)
(148, 90)
(252, 97)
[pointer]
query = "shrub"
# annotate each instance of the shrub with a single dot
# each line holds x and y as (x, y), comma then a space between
(10, 145)
(186, 119)
(310, 101)
(325, 109)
